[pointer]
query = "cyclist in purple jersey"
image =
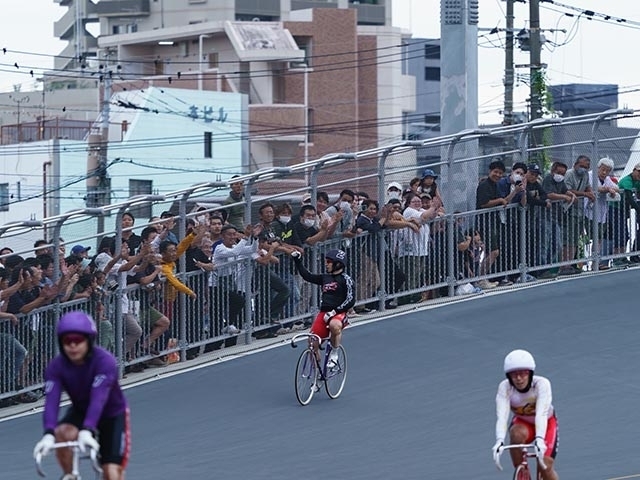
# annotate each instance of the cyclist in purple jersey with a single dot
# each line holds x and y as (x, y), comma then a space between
(89, 375)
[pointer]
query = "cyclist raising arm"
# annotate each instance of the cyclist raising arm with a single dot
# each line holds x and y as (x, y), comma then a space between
(534, 420)
(89, 375)
(338, 296)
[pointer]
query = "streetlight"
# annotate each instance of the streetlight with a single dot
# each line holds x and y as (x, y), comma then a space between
(200, 38)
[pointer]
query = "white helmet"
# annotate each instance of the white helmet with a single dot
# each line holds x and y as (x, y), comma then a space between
(519, 360)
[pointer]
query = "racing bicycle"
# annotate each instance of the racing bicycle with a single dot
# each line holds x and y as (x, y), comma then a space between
(522, 471)
(312, 370)
(77, 456)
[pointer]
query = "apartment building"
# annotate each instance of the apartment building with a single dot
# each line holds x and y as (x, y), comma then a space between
(320, 76)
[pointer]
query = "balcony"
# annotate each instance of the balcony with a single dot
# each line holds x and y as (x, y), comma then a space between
(369, 14)
(302, 4)
(123, 8)
(257, 8)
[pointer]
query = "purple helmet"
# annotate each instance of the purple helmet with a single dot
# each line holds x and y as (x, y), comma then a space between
(336, 256)
(77, 322)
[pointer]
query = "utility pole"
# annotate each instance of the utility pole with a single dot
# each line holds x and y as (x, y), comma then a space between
(19, 102)
(98, 188)
(508, 67)
(534, 59)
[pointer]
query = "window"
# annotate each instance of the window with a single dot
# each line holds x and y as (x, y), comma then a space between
(213, 59)
(310, 125)
(278, 77)
(141, 187)
(4, 197)
(432, 51)
(432, 119)
(304, 43)
(432, 74)
(128, 28)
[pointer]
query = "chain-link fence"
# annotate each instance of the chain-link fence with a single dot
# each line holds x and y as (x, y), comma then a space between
(162, 289)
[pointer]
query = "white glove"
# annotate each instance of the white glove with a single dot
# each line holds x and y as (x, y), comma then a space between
(329, 315)
(296, 254)
(44, 446)
(86, 440)
(541, 447)
(497, 450)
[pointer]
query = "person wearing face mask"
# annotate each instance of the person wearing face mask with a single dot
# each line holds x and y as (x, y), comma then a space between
(513, 189)
(561, 197)
(342, 217)
(306, 229)
(577, 181)
(283, 229)
(394, 191)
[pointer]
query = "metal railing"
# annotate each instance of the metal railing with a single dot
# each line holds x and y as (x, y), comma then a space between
(453, 253)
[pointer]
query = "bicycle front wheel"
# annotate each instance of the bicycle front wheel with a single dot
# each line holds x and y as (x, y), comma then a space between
(522, 473)
(337, 375)
(306, 377)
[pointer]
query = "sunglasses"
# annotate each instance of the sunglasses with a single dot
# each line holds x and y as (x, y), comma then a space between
(73, 338)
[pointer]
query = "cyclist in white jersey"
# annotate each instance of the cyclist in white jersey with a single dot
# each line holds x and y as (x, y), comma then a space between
(528, 396)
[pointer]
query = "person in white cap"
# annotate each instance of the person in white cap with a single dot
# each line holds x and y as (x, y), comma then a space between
(394, 191)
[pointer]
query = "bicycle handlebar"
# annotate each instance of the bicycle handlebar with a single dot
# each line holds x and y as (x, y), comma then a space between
(530, 449)
(75, 446)
(307, 335)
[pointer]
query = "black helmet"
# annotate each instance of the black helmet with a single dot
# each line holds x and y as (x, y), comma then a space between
(336, 256)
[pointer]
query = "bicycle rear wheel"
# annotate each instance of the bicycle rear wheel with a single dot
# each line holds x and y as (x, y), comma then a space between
(522, 473)
(336, 376)
(306, 377)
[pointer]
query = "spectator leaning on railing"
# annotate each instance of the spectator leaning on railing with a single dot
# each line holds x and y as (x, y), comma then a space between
(229, 275)
(630, 186)
(559, 194)
(577, 182)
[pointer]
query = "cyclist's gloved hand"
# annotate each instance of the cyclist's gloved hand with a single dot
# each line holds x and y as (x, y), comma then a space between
(329, 315)
(45, 445)
(296, 254)
(86, 440)
(496, 450)
(541, 447)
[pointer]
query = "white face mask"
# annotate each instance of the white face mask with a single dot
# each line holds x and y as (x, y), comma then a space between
(308, 222)
(393, 194)
(285, 219)
(557, 177)
(516, 177)
(345, 205)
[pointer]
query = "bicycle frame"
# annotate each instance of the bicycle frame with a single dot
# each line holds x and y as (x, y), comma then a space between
(77, 456)
(528, 451)
(313, 370)
(311, 339)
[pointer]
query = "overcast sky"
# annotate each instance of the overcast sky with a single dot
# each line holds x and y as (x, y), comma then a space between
(592, 51)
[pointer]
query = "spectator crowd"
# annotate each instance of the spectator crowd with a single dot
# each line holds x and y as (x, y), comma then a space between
(236, 274)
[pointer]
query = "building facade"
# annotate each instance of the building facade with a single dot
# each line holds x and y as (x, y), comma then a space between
(320, 76)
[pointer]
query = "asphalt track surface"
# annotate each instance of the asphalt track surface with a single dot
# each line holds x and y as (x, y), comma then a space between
(418, 403)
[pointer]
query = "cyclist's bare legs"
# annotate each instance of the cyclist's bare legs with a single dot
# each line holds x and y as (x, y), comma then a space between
(65, 432)
(112, 471)
(316, 347)
(335, 327)
(548, 473)
(518, 434)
